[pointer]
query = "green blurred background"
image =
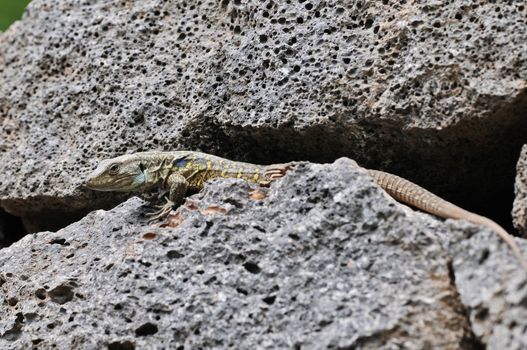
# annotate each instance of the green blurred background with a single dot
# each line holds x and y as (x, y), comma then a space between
(10, 11)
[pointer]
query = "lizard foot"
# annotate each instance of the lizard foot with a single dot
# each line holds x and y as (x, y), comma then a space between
(277, 171)
(163, 211)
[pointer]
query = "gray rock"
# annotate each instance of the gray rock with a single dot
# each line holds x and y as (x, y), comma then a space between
(431, 92)
(519, 209)
(420, 89)
(492, 289)
(325, 260)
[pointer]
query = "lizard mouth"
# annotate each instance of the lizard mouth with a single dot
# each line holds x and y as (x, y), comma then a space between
(123, 184)
(89, 184)
(92, 184)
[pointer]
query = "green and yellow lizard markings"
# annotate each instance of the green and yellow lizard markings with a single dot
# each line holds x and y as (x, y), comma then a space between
(131, 177)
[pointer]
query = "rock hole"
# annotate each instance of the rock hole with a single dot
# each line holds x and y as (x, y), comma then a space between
(294, 237)
(145, 263)
(482, 314)
(485, 253)
(269, 300)
(146, 329)
(252, 267)
(242, 291)
(121, 345)
(41, 293)
(172, 254)
(60, 241)
(61, 294)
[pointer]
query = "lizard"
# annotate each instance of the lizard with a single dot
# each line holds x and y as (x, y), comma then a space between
(182, 171)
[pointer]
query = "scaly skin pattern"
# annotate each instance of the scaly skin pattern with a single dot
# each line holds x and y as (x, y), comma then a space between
(407, 192)
(176, 172)
(180, 171)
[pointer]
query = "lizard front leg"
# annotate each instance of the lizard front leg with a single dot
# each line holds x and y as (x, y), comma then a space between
(177, 185)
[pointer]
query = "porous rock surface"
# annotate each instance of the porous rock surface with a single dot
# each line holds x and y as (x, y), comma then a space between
(492, 290)
(432, 91)
(519, 210)
(321, 259)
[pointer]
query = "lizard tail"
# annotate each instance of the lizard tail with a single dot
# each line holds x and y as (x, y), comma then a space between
(410, 193)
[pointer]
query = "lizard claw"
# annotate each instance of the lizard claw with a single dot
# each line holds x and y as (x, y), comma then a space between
(163, 210)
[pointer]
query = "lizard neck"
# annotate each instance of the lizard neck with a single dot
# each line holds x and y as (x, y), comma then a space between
(157, 169)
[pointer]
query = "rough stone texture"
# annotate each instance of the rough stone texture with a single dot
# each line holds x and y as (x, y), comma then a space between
(519, 210)
(325, 260)
(492, 290)
(433, 91)
(320, 259)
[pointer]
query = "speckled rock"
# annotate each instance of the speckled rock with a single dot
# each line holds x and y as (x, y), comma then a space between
(519, 211)
(424, 90)
(322, 259)
(492, 290)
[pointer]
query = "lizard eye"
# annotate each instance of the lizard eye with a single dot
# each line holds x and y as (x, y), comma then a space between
(114, 168)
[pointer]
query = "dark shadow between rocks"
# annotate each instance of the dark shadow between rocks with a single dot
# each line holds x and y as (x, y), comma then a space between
(11, 229)
(472, 164)
(51, 220)
(49, 213)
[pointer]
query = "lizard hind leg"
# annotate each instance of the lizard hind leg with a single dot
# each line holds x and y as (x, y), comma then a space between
(163, 210)
(276, 171)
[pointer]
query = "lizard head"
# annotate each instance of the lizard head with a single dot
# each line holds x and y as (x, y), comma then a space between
(124, 174)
